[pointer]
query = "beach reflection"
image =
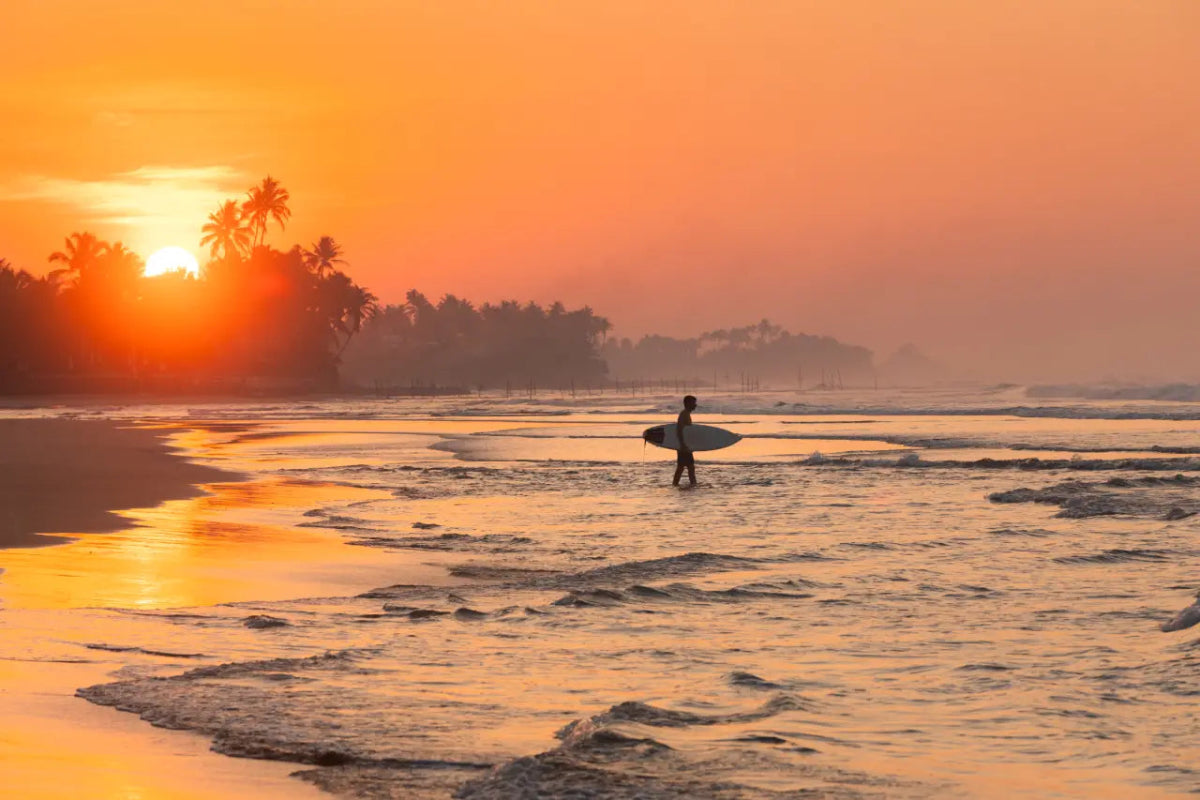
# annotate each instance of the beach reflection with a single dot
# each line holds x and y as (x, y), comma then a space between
(240, 542)
(54, 746)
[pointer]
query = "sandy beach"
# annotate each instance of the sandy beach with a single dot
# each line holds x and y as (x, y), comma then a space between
(61, 477)
(72, 476)
(133, 523)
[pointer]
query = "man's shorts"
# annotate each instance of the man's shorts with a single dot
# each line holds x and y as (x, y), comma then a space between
(685, 458)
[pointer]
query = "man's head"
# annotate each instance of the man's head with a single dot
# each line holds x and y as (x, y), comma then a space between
(689, 402)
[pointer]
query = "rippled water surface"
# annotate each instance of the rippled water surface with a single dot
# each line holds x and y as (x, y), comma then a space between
(856, 602)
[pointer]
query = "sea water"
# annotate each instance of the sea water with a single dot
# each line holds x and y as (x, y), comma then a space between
(926, 594)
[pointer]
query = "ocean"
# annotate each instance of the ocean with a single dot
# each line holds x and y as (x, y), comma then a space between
(953, 593)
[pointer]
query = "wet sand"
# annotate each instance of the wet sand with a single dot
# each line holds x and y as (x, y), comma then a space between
(54, 745)
(71, 476)
(138, 526)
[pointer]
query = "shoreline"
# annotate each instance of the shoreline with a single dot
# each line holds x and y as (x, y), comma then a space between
(138, 525)
(59, 746)
(67, 476)
(63, 481)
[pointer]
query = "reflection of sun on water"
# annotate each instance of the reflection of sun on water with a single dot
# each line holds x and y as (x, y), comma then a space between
(232, 544)
(171, 259)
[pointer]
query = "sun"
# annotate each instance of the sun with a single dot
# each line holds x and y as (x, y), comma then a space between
(171, 259)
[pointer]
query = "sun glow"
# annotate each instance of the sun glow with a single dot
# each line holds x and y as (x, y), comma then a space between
(171, 259)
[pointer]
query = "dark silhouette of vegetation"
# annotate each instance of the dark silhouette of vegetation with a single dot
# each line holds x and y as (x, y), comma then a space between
(325, 253)
(30, 320)
(766, 352)
(453, 343)
(226, 233)
(265, 202)
(262, 319)
(256, 317)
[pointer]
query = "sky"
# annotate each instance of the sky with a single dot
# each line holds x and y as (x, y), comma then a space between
(1013, 186)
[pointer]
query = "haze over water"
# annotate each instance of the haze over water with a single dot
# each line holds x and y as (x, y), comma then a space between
(520, 588)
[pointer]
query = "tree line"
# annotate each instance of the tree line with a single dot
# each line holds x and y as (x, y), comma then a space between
(97, 323)
(509, 345)
(452, 342)
(264, 319)
(729, 357)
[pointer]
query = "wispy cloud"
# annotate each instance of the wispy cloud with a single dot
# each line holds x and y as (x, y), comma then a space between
(153, 205)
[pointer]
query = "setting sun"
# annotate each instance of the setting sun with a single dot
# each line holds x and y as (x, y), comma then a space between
(171, 259)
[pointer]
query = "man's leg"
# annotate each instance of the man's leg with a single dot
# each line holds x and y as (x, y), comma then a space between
(678, 474)
(687, 460)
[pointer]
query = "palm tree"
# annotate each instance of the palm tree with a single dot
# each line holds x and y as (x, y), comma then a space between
(13, 280)
(226, 230)
(120, 263)
(263, 203)
(324, 255)
(345, 305)
(360, 306)
(80, 254)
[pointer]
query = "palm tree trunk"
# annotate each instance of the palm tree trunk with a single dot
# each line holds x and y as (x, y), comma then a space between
(342, 349)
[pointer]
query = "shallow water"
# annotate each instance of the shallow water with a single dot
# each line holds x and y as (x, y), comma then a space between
(839, 607)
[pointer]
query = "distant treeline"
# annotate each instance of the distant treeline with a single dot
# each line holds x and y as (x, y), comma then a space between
(255, 317)
(452, 343)
(258, 319)
(752, 355)
(419, 345)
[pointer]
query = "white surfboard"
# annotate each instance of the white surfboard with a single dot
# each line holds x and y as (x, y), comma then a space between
(698, 437)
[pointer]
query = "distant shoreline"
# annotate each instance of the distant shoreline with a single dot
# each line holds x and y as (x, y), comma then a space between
(130, 387)
(65, 476)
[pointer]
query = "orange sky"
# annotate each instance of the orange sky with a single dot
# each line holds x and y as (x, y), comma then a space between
(1015, 184)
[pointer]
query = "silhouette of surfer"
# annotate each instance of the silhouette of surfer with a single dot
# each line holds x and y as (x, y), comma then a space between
(684, 456)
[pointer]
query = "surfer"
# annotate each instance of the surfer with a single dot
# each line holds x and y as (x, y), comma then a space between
(684, 456)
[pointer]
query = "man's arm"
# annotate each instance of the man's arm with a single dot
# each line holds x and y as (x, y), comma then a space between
(680, 424)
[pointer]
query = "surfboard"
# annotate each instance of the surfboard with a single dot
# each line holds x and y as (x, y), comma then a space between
(699, 437)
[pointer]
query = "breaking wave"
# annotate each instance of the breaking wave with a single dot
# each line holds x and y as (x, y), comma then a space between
(1171, 499)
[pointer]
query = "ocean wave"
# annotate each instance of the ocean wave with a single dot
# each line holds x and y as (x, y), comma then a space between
(1168, 392)
(687, 564)
(977, 442)
(675, 592)
(1148, 496)
(1184, 619)
(748, 680)
(278, 709)
(494, 543)
(608, 757)
(116, 648)
(404, 591)
(486, 572)
(697, 563)
(934, 409)
(912, 461)
(1118, 556)
(653, 716)
(1036, 533)
(248, 711)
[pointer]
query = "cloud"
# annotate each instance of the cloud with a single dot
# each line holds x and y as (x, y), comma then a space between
(154, 205)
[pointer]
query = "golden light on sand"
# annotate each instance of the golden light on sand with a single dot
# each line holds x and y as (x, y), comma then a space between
(171, 259)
